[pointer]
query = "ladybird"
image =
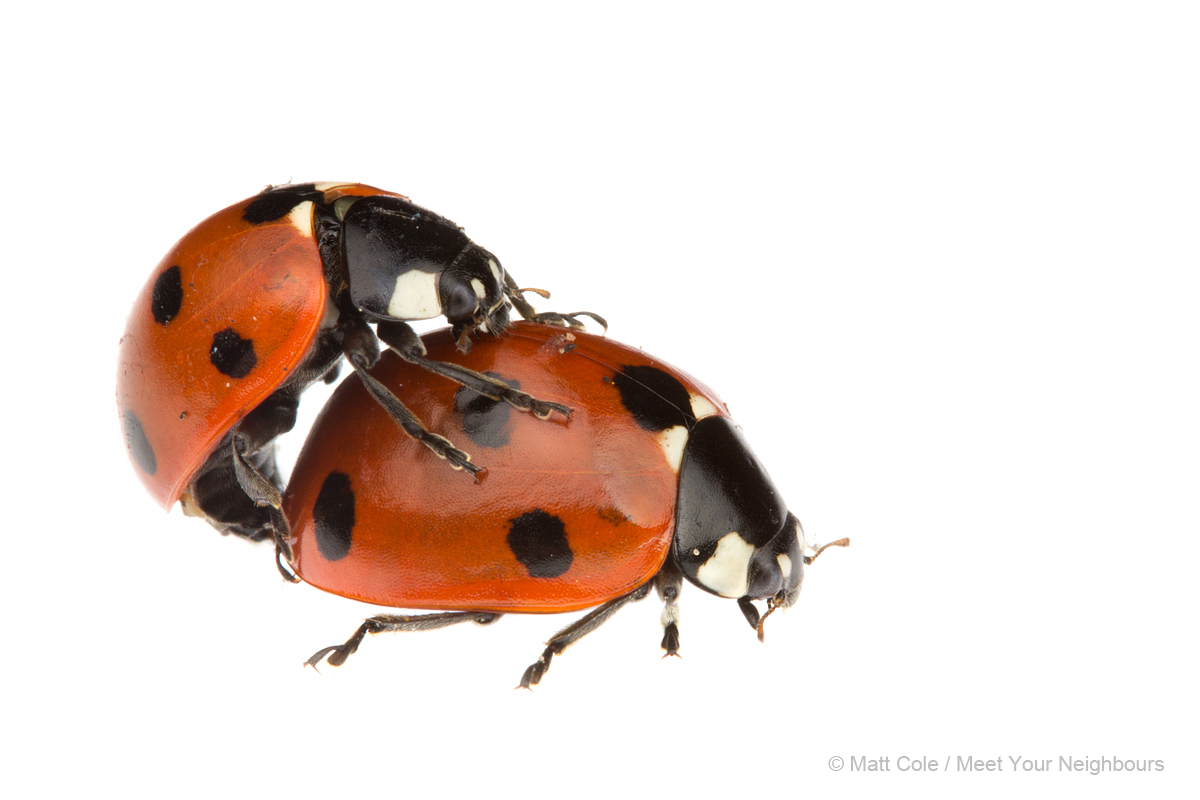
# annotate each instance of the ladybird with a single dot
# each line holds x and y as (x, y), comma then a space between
(649, 482)
(261, 300)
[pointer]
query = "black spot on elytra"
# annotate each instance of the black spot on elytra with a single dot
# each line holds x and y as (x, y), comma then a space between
(167, 296)
(333, 516)
(231, 354)
(138, 444)
(539, 541)
(656, 399)
(486, 422)
(277, 203)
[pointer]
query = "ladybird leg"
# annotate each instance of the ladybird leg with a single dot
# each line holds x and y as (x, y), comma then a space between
(362, 351)
(440, 445)
(568, 320)
(516, 296)
(668, 583)
(216, 496)
(750, 611)
(263, 492)
(391, 623)
(275, 416)
(576, 631)
(404, 340)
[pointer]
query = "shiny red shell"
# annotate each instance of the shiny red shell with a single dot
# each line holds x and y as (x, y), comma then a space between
(262, 288)
(401, 529)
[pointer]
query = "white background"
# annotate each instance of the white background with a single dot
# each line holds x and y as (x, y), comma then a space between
(940, 260)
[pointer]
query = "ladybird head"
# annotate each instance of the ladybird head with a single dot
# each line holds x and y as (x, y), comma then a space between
(777, 569)
(734, 536)
(471, 292)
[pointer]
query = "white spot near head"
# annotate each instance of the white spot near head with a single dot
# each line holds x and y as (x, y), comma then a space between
(341, 206)
(727, 571)
(415, 296)
(785, 566)
(672, 442)
(480, 289)
(301, 218)
(702, 407)
(494, 266)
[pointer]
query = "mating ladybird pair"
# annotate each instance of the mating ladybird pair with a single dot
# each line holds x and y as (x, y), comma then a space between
(625, 474)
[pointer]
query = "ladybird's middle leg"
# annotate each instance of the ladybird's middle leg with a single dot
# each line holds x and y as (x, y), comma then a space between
(362, 351)
(576, 631)
(404, 340)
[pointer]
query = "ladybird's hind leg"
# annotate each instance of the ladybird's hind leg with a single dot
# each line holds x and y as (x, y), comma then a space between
(404, 340)
(254, 435)
(391, 623)
(516, 296)
(362, 351)
(252, 443)
(216, 496)
(576, 631)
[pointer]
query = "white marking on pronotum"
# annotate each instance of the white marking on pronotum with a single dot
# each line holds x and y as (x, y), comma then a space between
(301, 218)
(727, 571)
(415, 296)
(672, 442)
(494, 266)
(480, 289)
(702, 407)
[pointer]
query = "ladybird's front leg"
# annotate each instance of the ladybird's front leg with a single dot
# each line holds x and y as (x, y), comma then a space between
(392, 623)
(516, 296)
(404, 340)
(668, 583)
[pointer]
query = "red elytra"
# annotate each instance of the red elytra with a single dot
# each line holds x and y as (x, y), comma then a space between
(377, 517)
(231, 310)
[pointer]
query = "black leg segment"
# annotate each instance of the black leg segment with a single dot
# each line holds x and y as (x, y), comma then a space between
(391, 623)
(362, 351)
(404, 340)
(668, 583)
(516, 297)
(264, 492)
(576, 631)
